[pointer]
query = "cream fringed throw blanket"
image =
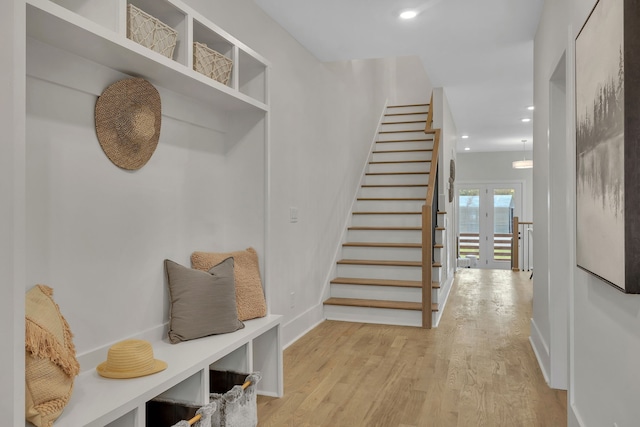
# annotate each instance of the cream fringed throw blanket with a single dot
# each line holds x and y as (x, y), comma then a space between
(50, 364)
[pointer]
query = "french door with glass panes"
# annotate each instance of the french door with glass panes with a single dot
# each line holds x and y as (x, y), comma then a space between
(485, 222)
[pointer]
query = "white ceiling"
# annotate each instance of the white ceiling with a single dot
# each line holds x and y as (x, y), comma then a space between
(480, 51)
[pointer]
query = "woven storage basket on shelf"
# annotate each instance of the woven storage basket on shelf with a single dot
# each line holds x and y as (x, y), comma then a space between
(211, 63)
(150, 32)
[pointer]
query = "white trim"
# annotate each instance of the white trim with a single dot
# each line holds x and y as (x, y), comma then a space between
(313, 317)
(574, 418)
(445, 291)
(540, 349)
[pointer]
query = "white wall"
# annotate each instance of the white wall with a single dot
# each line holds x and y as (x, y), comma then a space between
(12, 209)
(323, 120)
(412, 85)
(604, 324)
(98, 234)
(443, 119)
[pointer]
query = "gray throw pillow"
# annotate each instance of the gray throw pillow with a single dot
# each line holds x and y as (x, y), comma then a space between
(201, 303)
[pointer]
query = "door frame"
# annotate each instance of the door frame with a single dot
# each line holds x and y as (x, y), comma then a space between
(487, 248)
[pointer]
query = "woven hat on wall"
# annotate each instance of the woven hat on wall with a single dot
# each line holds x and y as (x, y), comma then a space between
(130, 359)
(128, 115)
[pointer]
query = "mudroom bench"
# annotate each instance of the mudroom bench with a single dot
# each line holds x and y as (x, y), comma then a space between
(98, 401)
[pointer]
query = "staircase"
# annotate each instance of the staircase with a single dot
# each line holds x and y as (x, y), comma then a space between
(379, 278)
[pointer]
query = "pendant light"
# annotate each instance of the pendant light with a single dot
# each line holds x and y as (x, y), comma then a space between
(524, 163)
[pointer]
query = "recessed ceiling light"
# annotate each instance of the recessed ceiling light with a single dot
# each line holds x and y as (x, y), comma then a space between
(464, 136)
(467, 148)
(526, 120)
(530, 108)
(408, 14)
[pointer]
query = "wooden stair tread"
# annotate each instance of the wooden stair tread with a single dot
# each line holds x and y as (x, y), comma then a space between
(393, 141)
(425, 150)
(398, 161)
(393, 185)
(380, 262)
(401, 123)
(386, 228)
(382, 245)
(390, 199)
(382, 282)
(407, 105)
(438, 246)
(440, 228)
(395, 173)
(442, 212)
(387, 213)
(377, 282)
(405, 114)
(385, 263)
(402, 131)
(371, 303)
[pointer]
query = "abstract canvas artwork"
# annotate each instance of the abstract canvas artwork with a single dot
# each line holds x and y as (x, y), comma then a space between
(606, 145)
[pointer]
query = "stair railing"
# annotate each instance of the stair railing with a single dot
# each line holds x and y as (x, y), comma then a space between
(519, 234)
(428, 223)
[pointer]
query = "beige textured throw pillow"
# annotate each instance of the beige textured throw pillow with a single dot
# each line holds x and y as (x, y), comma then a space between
(50, 359)
(249, 293)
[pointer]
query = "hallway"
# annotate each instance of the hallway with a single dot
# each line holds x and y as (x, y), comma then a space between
(476, 369)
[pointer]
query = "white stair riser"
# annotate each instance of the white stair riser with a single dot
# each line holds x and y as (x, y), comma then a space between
(402, 179)
(399, 167)
(386, 126)
(435, 293)
(379, 272)
(383, 316)
(437, 254)
(389, 205)
(436, 274)
(384, 293)
(386, 220)
(386, 236)
(406, 110)
(405, 145)
(393, 192)
(405, 117)
(391, 254)
(400, 156)
(384, 135)
(440, 236)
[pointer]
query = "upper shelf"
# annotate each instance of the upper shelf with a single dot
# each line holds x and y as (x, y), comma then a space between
(78, 33)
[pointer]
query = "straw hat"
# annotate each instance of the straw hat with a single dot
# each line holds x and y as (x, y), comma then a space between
(128, 122)
(130, 359)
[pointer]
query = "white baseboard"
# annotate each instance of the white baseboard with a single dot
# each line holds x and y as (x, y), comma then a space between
(541, 350)
(444, 291)
(297, 327)
(574, 418)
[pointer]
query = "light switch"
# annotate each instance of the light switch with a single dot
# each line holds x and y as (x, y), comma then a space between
(293, 214)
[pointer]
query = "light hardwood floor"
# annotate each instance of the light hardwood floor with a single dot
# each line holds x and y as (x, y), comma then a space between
(476, 369)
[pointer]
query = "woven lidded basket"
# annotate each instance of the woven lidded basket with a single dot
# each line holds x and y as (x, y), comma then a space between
(211, 63)
(150, 32)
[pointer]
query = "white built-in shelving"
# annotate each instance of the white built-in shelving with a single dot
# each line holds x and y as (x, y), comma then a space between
(96, 30)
